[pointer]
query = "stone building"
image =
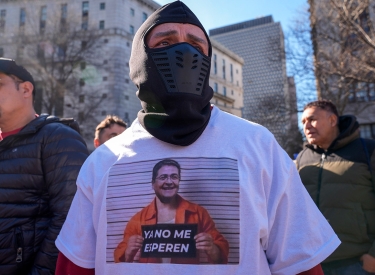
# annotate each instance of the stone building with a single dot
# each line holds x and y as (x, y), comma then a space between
(260, 42)
(226, 79)
(78, 53)
(344, 63)
(32, 32)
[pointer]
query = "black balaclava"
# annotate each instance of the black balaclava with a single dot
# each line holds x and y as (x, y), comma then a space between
(173, 81)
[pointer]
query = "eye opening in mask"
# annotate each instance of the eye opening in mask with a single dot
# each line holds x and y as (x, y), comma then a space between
(167, 34)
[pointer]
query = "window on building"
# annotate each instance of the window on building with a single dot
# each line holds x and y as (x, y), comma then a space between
(126, 116)
(105, 78)
(126, 97)
(81, 99)
(132, 12)
(85, 15)
(61, 50)
(371, 91)
(364, 21)
(215, 64)
(20, 51)
(40, 52)
(3, 14)
(22, 17)
(102, 6)
(104, 95)
(101, 24)
(1, 52)
(131, 30)
(231, 92)
(216, 87)
(81, 116)
(81, 82)
(64, 16)
(83, 65)
(362, 91)
(225, 91)
(104, 113)
(224, 68)
(64, 12)
(231, 72)
(144, 16)
(367, 131)
(85, 8)
(83, 44)
(105, 62)
(43, 19)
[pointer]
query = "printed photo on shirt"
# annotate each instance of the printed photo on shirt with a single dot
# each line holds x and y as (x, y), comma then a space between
(174, 210)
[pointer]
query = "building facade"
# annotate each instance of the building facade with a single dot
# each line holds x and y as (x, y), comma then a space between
(79, 51)
(344, 61)
(260, 43)
(88, 43)
(226, 79)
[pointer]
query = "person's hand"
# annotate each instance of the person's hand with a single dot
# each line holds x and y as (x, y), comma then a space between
(368, 262)
(134, 244)
(204, 241)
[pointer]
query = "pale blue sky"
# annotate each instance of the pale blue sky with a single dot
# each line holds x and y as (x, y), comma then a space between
(218, 13)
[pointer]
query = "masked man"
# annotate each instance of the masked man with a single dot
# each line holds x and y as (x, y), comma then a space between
(280, 229)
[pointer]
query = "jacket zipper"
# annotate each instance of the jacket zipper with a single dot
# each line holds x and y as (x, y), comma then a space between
(19, 245)
(322, 159)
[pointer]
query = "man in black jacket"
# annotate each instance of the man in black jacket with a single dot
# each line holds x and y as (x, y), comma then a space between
(40, 158)
(337, 167)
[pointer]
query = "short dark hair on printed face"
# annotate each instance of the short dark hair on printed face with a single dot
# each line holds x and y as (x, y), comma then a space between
(165, 162)
(107, 122)
(323, 104)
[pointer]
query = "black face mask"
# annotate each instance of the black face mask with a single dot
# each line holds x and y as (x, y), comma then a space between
(172, 81)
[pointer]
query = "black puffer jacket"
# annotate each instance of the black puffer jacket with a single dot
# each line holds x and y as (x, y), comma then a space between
(38, 170)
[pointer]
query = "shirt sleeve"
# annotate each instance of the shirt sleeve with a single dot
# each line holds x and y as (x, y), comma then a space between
(299, 237)
(78, 237)
(64, 267)
(317, 270)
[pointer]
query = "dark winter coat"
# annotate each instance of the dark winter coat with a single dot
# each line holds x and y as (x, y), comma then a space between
(340, 183)
(38, 169)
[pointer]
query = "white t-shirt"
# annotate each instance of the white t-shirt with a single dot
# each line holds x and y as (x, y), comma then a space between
(235, 170)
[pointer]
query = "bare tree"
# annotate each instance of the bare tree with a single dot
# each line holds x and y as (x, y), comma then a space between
(59, 50)
(340, 52)
(280, 110)
(299, 56)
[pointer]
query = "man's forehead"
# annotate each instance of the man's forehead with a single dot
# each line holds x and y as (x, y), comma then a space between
(175, 29)
(167, 166)
(314, 111)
